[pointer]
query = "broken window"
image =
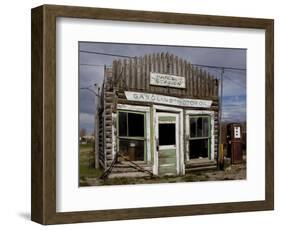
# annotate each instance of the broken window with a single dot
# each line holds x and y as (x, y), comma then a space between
(131, 135)
(200, 138)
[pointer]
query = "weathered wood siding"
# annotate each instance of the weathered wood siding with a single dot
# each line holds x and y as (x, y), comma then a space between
(133, 74)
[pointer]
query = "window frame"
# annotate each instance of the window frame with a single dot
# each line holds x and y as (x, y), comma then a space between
(138, 138)
(209, 137)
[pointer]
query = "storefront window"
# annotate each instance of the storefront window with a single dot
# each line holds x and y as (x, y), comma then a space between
(131, 135)
(199, 141)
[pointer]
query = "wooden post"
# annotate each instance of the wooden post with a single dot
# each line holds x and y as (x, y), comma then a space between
(96, 141)
(221, 157)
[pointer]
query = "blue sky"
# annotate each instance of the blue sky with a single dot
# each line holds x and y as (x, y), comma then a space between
(234, 81)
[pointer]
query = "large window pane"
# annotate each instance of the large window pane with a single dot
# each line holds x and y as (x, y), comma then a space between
(199, 127)
(135, 125)
(122, 123)
(205, 126)
(132, 149)
(192, 127)
(131, 135)
(198, 148)
(167, 134)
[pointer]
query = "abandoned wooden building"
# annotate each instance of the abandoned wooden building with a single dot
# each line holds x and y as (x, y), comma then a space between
(159, 112)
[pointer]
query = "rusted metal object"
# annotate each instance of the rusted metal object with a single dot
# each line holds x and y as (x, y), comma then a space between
(234, 143)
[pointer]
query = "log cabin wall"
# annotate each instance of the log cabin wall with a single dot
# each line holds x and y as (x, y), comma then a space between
(133, 74)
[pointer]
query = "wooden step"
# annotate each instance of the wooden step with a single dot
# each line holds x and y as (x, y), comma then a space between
(202, 168)
(128, 175)
(122, 168)
(200, 163)
(128, 164)
(127, 169)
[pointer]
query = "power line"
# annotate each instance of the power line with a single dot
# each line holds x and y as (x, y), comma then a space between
(106, 54)
(194, 64)
(219, 67)
(234, 82)
(95, 65)
(90, 90)
(235, 72)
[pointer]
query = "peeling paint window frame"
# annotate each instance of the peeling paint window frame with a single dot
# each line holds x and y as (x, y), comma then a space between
(137, 138)
(202, 137)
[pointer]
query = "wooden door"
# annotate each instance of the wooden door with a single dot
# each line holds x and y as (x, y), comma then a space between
(167, 143)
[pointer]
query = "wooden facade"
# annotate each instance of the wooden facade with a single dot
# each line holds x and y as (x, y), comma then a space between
(133, 75)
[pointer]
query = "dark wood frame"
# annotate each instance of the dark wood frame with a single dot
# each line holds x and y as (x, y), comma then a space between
(43, 202)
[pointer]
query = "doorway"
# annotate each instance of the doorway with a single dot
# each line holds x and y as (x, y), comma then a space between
(167, 143)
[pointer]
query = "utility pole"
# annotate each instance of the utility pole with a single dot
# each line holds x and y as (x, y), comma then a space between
(221, 154)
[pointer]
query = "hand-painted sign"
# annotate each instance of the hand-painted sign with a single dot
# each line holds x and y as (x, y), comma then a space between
(167, 80)
(237, 132)
(168, 100)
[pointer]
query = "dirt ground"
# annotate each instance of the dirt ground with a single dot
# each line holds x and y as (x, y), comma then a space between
(89, 176)
(230, 172)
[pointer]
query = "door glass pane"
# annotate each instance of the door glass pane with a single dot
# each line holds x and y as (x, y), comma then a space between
(132, 149)
(205, 126)
(122, 123)
(167, 134)
(136, 125)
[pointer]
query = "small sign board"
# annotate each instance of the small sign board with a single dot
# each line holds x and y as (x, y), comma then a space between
(167, 80)
(167, 100)
(237, 132)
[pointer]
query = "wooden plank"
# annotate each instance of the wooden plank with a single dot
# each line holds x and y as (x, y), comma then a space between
(130, 77)
(133, 73)
(158, 69)
(199, 82)
(158, 63)
(128, 174)
(153, 63)
(165, 63)
(172, 67)
(195, 78)
(148, 70)
(181, 71)
(190, 80)
(167, 118)
(186, 76)
(167, 160)
(167, 170)
(119, 74)
(204, 82)
(124, 77)
(176, 65)
(167, 153)
(114, 71)
(145, 73)
(208, 85)
(139, 80)
(141, 67)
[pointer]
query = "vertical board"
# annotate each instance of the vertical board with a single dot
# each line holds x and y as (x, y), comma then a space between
(134, 74)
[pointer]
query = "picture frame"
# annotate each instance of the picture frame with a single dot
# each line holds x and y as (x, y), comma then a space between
(44, 91)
